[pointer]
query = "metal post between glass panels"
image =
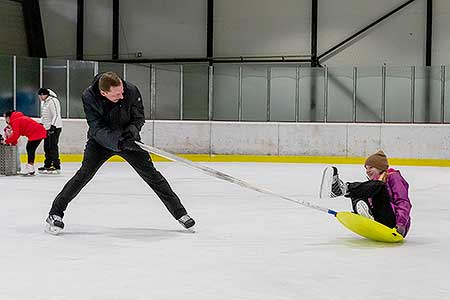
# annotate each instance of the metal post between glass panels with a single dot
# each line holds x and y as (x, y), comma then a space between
(210, 92)
(442, 94)
(413, 87)
(269, 74)
(325, 95)
(152, 92)
(297, 93)
(41, 63)
(354, 76)
(68, 88)
(181, 92)
(383, 94)
(95, 68)
(125, 72)
(14, 82)
(240, 94)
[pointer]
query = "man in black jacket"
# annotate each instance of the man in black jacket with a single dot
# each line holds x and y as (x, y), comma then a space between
(115, 116)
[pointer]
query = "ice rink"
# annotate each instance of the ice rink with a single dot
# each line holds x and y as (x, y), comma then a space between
(121, 243)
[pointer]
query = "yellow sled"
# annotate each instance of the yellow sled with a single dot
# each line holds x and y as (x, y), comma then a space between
(369, 228)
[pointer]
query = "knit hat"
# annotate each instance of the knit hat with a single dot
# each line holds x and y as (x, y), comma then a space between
(378, 160)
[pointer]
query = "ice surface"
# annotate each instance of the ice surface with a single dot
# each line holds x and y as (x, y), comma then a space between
(121, 243)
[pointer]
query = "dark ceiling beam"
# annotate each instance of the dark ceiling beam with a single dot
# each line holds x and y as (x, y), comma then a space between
(429, 32)
(314, 17)
(428, 72)
(115, 30)
(213, 60)
(314, 60)
(33, 28)
(210, 31)
(80, 29)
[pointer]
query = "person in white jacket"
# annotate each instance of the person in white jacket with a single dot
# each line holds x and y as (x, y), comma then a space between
(51, 119)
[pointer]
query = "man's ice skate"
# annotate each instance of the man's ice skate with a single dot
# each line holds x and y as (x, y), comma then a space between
(49, 170)
(54, 224)
(53, 170)
(43, 170)
(363, 209)
(28, 170)
(187, 222)
(338, 187)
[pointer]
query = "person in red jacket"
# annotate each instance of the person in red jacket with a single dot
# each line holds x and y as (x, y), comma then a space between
(22, 125)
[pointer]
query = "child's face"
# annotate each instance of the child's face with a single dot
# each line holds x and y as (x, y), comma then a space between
(372, 172)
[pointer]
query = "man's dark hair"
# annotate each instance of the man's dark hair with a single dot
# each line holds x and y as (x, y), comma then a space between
(43, 92)
(107, 80)
(8, 113)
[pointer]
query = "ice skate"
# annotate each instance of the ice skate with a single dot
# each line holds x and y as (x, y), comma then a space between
(54, 170)
(54, 224)
(43, 169)
(49, 170)
(363, 209)
(28, 170)
(338, 187)
(331, 186)
(187, 222)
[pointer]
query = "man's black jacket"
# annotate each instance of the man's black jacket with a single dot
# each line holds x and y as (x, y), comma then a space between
(108, 121)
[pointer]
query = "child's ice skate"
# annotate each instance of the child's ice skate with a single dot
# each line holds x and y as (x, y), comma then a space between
(338, 187)
(331, 186)
(362, 208)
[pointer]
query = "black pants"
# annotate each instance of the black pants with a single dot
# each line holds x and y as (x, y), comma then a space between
(31, 150)
(51, 149)
(94, 157)
(381, 201)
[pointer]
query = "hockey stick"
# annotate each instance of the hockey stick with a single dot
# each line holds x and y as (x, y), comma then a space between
(353, 222)
(226, 177)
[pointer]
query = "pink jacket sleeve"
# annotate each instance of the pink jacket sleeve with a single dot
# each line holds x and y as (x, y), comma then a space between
(399, 196)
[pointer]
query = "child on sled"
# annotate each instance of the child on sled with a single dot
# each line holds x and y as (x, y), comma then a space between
(383, 198)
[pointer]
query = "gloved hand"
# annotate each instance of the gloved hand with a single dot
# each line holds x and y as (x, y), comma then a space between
(131, 131)
(52, 129)
(128, 144)
(401, 229)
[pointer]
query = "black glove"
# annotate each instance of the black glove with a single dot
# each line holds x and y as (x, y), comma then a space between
(128, 144)
(52, 129)
(131, 131)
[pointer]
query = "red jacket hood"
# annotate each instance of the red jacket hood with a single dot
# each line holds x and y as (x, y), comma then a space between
(15, 115)
(22, 125)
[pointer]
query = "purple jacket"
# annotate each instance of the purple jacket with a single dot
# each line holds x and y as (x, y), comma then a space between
(398, 190)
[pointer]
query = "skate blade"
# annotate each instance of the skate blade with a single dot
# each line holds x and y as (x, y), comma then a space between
(27, 175)
(190, 230)
(57, 172)
(53, 230)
